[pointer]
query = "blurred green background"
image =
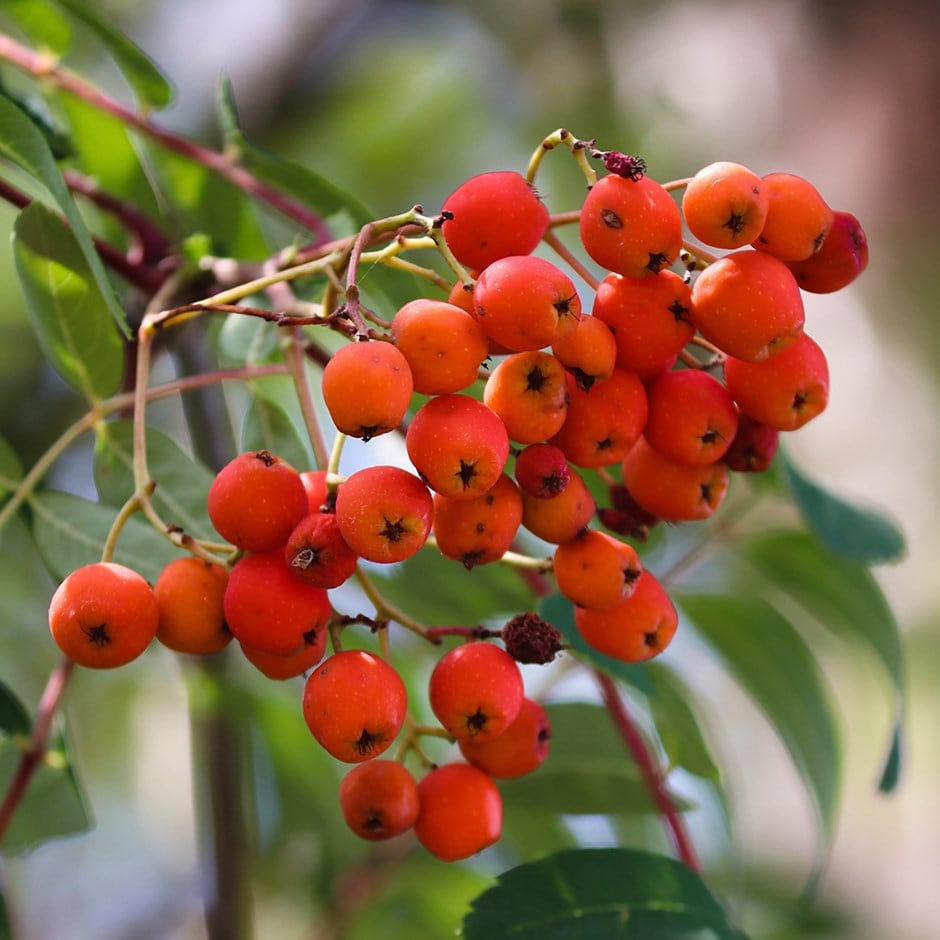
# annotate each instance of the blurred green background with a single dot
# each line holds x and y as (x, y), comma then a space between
(400, 101)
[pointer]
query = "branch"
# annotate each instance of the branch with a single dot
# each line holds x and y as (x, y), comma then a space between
(47, 69)
(652, 777)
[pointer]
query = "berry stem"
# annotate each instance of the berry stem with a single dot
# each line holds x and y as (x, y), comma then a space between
(578, 150)
(37, 747)
(652, 776)
(385, 609)
(575, 263)
(296, 364)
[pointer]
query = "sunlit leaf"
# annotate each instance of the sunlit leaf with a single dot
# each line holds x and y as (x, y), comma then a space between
(71, 531)
(841, 596)
(851, 531)
(777, 669)
(23, 143)
(182, 482)
(557, 610)
(149, 83)
(617, 894)
(45, 27)
(68, 311)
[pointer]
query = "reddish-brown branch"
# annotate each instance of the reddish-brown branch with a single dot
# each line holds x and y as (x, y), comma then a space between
(45, 68)
(146, 278)
(34, 753)
(652, 777)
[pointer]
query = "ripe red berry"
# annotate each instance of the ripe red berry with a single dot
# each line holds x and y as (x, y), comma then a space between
(476, 690)
(103, 615)
(256, 500)
(519, 750)
(379, 799)
(494, 215)
(354, 704)
(631, 227)
(461, 812)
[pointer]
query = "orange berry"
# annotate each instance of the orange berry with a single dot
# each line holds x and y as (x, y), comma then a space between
(481, 530)
(673, 491)
(603, 422)
(784, 392)
(354, 704)
(476, 690)
(458, 445)
(596, 570)
(748, 304)
(640, 627)
(103, 615)
(650, 318)
(798, 218)
(384, 513)
(725, 205)
(562, 517)
(444, 345)
(692, 417)
(379, 799)
(461, 812)
(367, 388)
(529, 393)
(189, 593)
(525, 302)
(256, 500)
(519, 750)
(631, 227)
(589, 352)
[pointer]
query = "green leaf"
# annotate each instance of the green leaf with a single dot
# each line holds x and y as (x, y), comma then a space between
(677, 725)
(68, 311)
(11, 470)
(23, 143)
(54, 804)
(617, 894)
(773, 664)
(308, 187)
(844, 529)
(182, 482)
(427, 584)
(44, 26)
(14, 719)
(842, 596)
(71, 531)
(59, 142)
(148, 82)
(269, 427)
(557, 610)
(588, 770)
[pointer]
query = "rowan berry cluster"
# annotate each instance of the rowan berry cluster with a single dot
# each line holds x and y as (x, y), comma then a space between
(516, 403)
